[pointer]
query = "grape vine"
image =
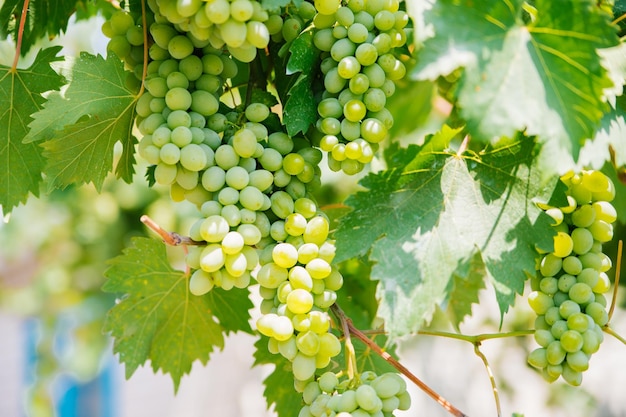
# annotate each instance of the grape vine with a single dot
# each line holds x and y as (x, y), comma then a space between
(242, 109)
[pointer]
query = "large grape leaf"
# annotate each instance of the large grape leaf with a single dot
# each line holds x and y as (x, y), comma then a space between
(81, 127)
(279, 389)
(437, 222)
(20, 96)
(542, 75)
(158, 319)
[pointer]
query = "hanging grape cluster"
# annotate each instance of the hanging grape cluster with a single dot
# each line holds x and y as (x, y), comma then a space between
(359, 66)
(373, 395)
(568, 294)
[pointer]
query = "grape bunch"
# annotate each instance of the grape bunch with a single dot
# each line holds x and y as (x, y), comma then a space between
(569, 289)
(253, 180)
(359, 67)
(376, 396)
(298, 284)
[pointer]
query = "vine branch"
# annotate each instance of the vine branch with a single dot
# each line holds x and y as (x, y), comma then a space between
(618, 271)
(20, 35)
(171, 238)
(144, 70)
(492, 379)
(347, 322)
(608, 330)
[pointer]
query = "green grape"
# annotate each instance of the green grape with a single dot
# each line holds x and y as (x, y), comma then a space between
(568, 308)
(566, 282)
(555, 354)
(581, 293)
(232, 215)
(572, 341)
(591, 342)
(327, 7)
(291, 28)
(597, 312)
(563, 245)
(271, 275)
(552, 315)
(571, 376)
(303, 366)
(572, 265)
(544, 337)
(237, 177)
(232, 243)
(558, 328)
(299, 301)
(285, 255)
(601, 231)
(308, 343)
(200, 282)
(578, 322)
(550, 265)
(368, 399)
(549, 285)
(540, 302)
(538, 358)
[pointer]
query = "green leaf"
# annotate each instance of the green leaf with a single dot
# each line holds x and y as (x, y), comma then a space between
(438, 216)
(301, 108)
(544, 77)
(303, 54)
(81, 128)
(279, 389)
(465, 285)
(45, 18)
(158, 319)
(20, 96)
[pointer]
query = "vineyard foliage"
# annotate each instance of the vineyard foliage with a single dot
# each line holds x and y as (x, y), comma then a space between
(528, 90)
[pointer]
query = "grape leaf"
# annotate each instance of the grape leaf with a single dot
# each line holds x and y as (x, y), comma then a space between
(45, 18)
(279, 389)
(20, 96)
(158, 319)
(544, 77)
(300, 108)
(426, 221)
(81, 127)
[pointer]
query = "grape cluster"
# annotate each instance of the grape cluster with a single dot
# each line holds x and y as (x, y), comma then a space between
(359, 67)
(298, 284)
(376, 396)
(568, 294)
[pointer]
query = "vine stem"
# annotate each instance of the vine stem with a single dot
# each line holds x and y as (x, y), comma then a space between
(492, 379)
(144, 70)
(20, 35)
(608, 330)
(347, 323)
(171, 238)
(618, 270)
(466, 338)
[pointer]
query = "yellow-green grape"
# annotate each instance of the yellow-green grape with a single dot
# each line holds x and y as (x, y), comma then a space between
(569, 298)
